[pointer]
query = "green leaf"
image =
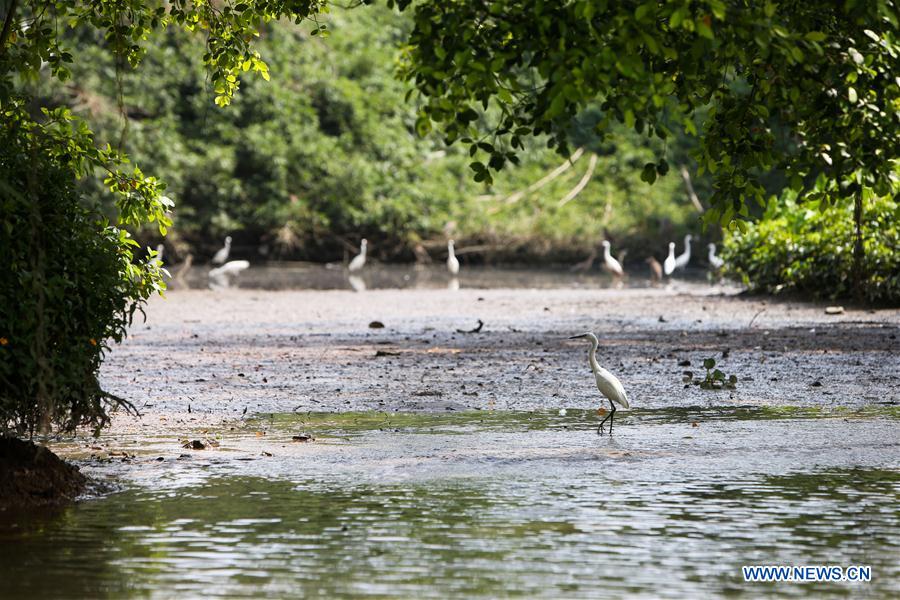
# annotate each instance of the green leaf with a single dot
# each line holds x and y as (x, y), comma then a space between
(649, 173)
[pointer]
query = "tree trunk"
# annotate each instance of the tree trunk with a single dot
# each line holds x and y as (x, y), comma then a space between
(858, 249)
(7, 25)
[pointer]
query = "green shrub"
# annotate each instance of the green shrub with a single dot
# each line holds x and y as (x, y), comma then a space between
(68, 286)
(801, 248)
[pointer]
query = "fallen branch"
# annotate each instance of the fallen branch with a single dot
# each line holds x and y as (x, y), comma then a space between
(581, 184)
(690, 189)
(513, 198)
(476, 330)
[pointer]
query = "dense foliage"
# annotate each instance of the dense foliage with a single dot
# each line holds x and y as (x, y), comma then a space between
(69, 286)
(71, 281)
(820, 75)
(803, 248)
(328, 152)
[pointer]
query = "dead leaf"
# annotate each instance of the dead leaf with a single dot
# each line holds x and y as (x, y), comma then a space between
(602, 411)
(695, 424)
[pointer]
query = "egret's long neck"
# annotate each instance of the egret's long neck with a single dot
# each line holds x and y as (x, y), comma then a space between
(712, 253)
(592, 357)
(451, 251)
(606, 254)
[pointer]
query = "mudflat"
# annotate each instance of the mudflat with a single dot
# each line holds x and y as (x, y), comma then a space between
(214, 355)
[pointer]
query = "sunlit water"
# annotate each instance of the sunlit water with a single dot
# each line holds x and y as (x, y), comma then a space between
(480, 505)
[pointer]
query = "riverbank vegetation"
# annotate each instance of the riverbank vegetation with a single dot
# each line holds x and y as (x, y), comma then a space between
(304, 167)
(806, 249)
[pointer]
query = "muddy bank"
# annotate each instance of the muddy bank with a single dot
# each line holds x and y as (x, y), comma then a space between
(32, 476)
(204, 355)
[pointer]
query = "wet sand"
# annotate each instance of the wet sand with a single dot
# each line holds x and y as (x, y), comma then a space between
(223, 355)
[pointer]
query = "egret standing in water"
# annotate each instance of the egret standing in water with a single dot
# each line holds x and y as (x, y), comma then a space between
(607, 383)
(222, 255)
(452, 261)
(669, 263)
(683, 259)
(359, 261)
(610, 263)
(222, 277)
(714, 261)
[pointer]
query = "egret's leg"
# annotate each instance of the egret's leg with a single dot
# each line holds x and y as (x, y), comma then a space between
(612, 414)
(605, 419)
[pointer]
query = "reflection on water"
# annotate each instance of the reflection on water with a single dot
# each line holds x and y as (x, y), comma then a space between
(597, 536)
(284, 276)
(483, 505)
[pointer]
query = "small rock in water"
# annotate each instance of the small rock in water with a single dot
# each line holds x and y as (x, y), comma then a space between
(303, 437)
(562, 412)
(834, 310)
(376, 325)
(194, 445)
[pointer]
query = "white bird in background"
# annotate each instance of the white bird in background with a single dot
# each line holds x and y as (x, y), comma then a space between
(669, 263)
(222, 255)
(607, 383)
(160, 251)
(714, 261)
(682, 261)
(232, 268)
(222, 277)
(359, 261)
(452, 261)
(610, 263)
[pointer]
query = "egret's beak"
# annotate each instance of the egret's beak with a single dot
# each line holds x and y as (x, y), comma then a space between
(575, 337)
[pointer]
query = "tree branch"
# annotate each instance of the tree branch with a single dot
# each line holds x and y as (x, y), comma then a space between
(7, 25)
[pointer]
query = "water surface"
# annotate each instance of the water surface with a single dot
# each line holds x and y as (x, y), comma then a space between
(480, 504)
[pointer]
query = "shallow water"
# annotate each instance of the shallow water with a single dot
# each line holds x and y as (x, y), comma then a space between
(310, 276)
(480, 504)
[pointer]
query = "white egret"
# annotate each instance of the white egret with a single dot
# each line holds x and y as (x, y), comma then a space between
(222, 255)
(607, 383)
(359, 261)
(714, 261)
(683, 259)
(357, 283)
(669, 263)
(221, 278)
(656, 269)
(452, 261)
(160, 250)
(230, 269)
(610, 263)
